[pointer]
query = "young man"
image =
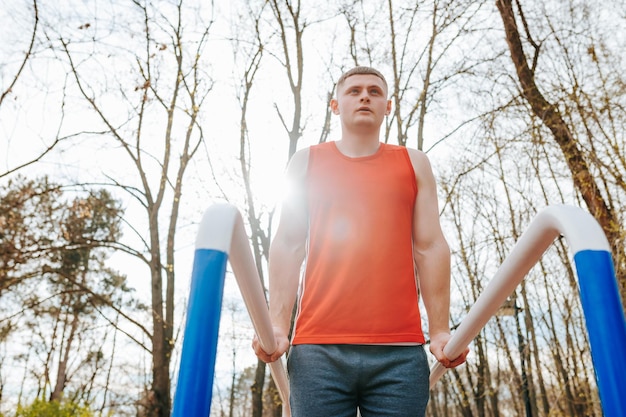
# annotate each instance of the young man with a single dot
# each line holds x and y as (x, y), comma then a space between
(364, 216)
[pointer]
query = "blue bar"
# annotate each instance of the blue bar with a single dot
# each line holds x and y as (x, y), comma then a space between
(197, 364)
(606, 326)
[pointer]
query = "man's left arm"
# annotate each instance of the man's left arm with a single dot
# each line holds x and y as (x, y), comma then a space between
(432, 259)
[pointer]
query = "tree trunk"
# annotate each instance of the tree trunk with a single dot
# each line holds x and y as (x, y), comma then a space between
(160, 400)
(57, 394)
(276, 403)
(257, 389)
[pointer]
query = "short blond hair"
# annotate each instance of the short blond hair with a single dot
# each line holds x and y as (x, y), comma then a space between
(361, 70)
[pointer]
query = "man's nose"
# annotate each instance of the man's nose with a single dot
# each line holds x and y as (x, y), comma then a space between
(365, 96)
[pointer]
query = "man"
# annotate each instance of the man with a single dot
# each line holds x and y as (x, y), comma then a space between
(364, 215)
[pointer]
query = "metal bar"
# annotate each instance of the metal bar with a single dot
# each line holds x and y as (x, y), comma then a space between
(221, 236)
(599, 296)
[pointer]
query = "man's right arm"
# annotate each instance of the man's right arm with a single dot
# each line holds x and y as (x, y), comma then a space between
(287, 252)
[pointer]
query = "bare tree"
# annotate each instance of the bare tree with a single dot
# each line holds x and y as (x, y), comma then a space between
(291, 25)
(171, 91)
(6, 90)
(550, 115)
(423, 70)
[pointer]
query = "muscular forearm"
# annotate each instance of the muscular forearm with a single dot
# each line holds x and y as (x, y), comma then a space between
(433, 268)
(284, 271)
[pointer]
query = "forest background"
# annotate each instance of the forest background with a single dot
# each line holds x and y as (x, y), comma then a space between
(122, 120)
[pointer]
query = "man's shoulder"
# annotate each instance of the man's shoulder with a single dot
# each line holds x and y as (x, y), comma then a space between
(420, 161)
(412, 152)
(415, 155)
(298, 163)
(323, 145)
(301, 154)
(392, 147)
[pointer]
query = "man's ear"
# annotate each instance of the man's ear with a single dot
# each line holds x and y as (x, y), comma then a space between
(388, 111)
(334, 106)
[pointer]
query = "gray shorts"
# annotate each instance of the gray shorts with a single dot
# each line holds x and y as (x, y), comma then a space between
(379, 380)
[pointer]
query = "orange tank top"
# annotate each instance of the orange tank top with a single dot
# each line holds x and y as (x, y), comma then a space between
(359, 285)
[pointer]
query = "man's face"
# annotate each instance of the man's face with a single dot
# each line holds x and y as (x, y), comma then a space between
(362, 101)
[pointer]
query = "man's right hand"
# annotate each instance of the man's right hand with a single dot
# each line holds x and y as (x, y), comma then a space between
(282, 344)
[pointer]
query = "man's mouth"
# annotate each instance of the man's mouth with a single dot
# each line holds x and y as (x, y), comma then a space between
(367, 109)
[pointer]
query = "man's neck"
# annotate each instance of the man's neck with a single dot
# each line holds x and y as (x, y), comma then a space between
(356, 146)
